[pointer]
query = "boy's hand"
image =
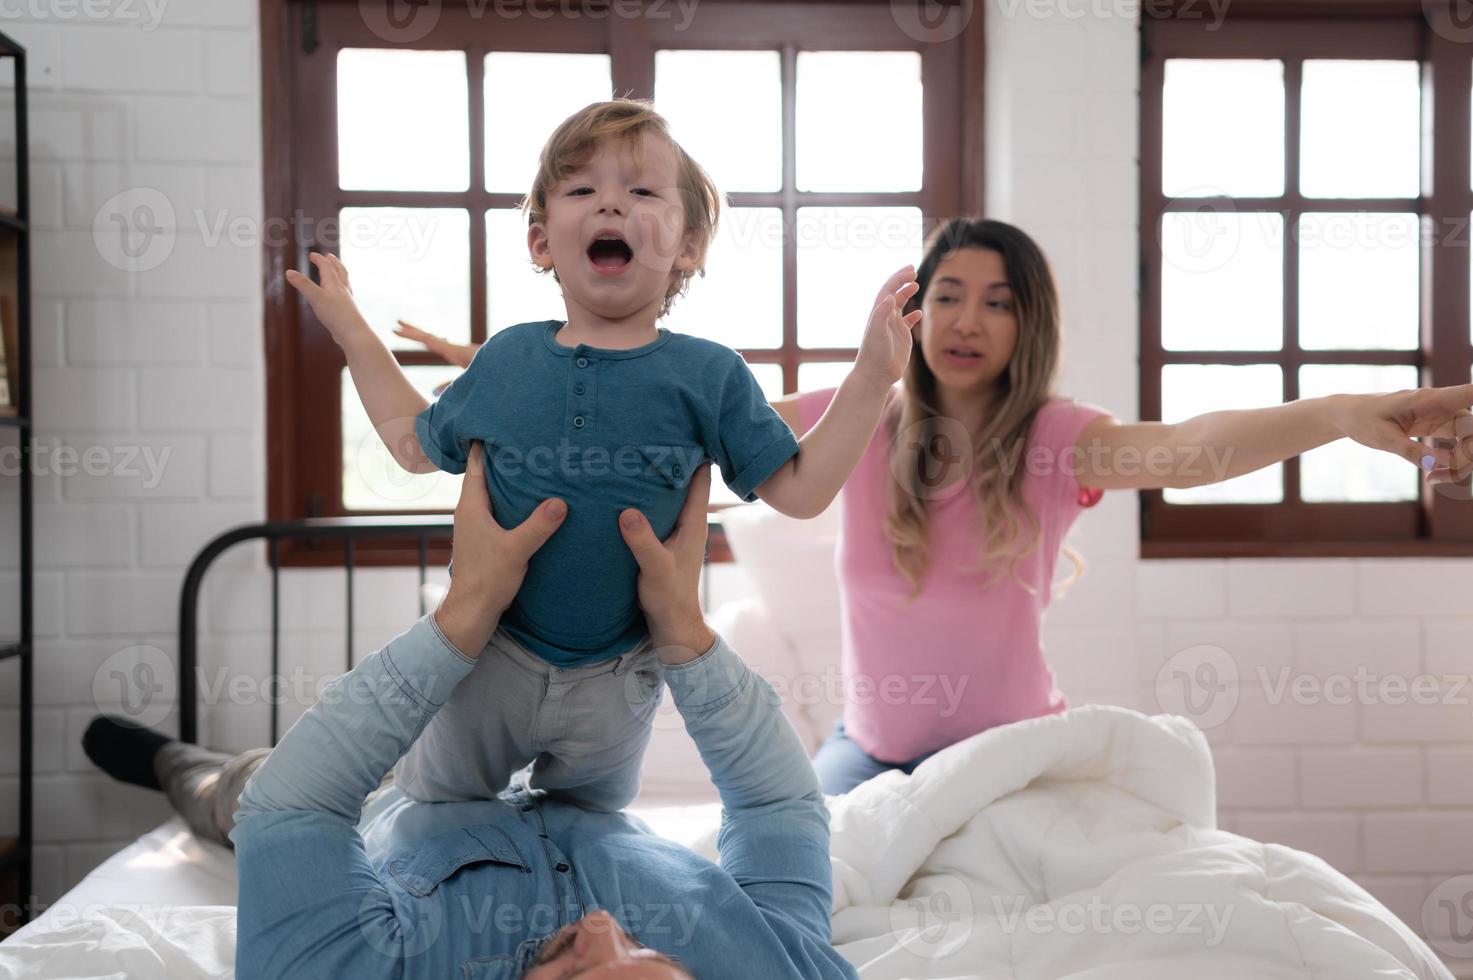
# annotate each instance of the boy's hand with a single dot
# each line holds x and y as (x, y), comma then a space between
(670, 574)
(333, 300)
(885, 349)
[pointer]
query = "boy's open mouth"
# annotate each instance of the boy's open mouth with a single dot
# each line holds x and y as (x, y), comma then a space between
(609, 253)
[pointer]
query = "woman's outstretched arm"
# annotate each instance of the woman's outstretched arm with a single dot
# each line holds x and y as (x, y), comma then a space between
(1425, 426)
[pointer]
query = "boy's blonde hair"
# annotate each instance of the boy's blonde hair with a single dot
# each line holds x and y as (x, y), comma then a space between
(579, 137)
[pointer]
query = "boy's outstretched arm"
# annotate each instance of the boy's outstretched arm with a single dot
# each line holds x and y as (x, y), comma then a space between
(806, 484)
(389, 399)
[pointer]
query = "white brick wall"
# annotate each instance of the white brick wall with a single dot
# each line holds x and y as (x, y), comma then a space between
(170, 361)
(166, 361)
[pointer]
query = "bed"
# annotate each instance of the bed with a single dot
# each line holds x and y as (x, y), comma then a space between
(1040, 850)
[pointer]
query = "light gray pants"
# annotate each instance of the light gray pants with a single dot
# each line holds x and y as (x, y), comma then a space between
(583, 730)
(204, 787)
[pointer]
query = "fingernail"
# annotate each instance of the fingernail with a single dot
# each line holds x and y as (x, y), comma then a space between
(555, 509)
(630, 521)
(1428, 462)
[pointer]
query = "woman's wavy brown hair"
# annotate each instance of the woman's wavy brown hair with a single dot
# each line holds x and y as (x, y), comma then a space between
(1010, 529)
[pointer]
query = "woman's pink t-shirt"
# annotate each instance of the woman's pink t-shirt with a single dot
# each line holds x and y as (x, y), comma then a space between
(964, 655)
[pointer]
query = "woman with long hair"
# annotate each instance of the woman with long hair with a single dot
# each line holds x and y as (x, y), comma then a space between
(952, 522)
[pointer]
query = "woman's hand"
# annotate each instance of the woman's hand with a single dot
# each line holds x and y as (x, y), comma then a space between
(670, 574)
(490, 561)
(1439, 417)
(332, 301)
(457, 354)
(885, 347)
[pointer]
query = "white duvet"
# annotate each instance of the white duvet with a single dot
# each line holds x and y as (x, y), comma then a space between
(1081, 845)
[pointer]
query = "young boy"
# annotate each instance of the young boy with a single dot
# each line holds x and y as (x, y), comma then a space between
(605, 411)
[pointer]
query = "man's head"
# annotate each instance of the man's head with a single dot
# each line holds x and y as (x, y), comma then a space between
(619, 212)
(596, 948)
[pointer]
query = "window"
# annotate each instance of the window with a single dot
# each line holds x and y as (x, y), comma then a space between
(407, 150)
(1305, 201)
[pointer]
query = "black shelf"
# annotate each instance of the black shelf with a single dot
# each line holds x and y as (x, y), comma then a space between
(15, 274)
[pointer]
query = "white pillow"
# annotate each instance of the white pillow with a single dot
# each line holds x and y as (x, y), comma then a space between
(791, 566)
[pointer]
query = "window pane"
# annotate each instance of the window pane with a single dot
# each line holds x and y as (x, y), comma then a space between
(1344, 470)
(739, 301)
(770, 377)
(1361, 129)
(516, 125)
(410, 264)
(844, 257)
(1188, 390)
(515, 291)
(1222, 128)
(1222, 280)
(1358, 281)
(734, 131)
(818, 375)
(402, 122)
(859, 121)
(372, 480)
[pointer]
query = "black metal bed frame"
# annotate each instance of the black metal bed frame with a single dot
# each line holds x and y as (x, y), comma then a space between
(339, 529)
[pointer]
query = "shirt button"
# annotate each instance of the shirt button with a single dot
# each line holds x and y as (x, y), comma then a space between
(561, 868)
(579, 389)
(577, 421)
(582, 362)
(676, 470)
